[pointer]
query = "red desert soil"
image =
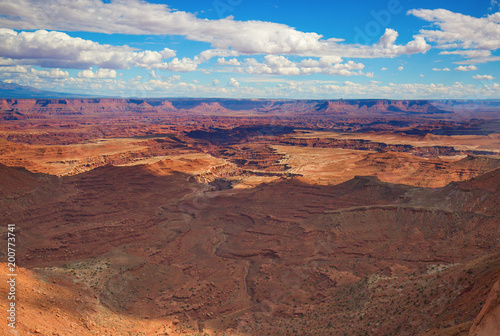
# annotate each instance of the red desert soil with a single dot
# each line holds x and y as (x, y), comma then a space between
(59, 305)
(281, 258)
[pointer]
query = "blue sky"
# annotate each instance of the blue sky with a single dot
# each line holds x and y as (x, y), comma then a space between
(254, 49)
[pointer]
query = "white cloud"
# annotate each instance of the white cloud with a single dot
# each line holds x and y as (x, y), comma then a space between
(444, 69)
(466, 68)
(233, 83)
(400, 68)
(280, 65)
(493, 4)
(483, 77)
(13, 69)
(174, 78)
(384, 69)
(272, 64)
(158, 84)
(232, 61)
(408, 91)
(468, 53)
(187, 64)
(282, 88)
(210, 53)
(142, 18)
(52, 73)
(480, 60)
(471, 37)
(56, 49)
(215, 82)
(29, 71)
(461, 30)
(180, 65)
(101, 73)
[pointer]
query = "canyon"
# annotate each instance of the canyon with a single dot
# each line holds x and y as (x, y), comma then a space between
(252, 217)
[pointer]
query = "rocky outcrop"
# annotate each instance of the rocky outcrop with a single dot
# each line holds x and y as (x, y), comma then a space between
(376, 106)
(367, 145)
(487, 323)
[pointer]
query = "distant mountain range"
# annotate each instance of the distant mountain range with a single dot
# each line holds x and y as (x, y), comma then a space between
(12, 90)
(223, 107)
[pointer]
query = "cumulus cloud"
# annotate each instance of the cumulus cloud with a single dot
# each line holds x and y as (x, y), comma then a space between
(187, 64)
(142, 18)
(444, 69)
(272, 64)
(471, 37)
(55, 49)
(386, 45)
(101, 73)
(280, 65)
(233, 83)
(174, 78)
(52, 73)
(483, 77)
(232, 61)
(400, 68)
(466, 68)
(29, 71)
(13, 69)
(158, 84)
(384, 69)
(180, 65)
(210, 53)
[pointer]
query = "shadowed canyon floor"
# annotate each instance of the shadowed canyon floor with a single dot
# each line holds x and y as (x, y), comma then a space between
(200, 218)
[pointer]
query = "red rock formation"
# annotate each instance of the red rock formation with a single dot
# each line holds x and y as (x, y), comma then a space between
(487, 323)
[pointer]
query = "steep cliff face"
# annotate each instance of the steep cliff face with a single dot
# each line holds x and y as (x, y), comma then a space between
(68, 107)
(377, 106)
(209, 108)
(362, 144)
